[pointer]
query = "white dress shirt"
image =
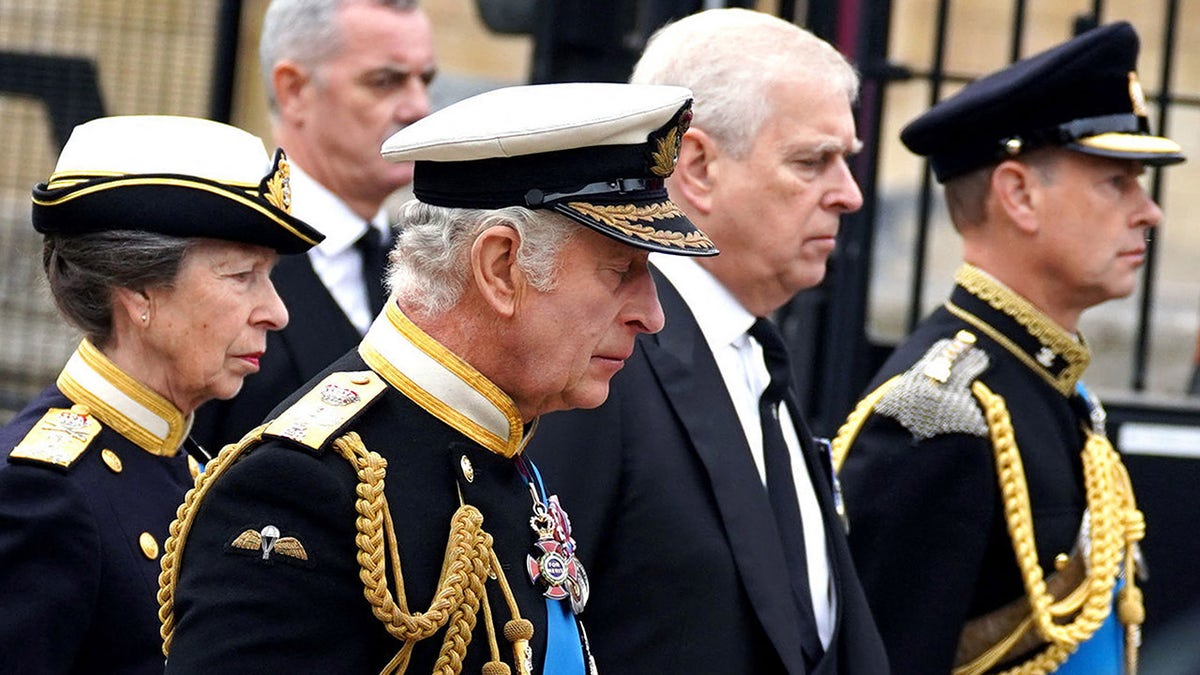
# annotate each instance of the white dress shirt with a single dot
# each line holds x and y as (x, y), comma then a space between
(336, 261)
(724, 323)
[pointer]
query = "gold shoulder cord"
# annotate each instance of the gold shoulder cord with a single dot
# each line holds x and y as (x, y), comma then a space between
(839, 447)
(1116, 526)
(182, 525)
(468, 562)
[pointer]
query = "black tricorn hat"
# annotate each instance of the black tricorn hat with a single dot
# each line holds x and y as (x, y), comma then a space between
(1083, 94)
(597, 153)
(178, 176)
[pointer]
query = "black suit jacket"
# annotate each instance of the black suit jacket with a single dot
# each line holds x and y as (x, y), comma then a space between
(318, 333)
(675, 527)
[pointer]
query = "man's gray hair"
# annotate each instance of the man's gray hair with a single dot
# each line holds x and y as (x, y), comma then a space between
(429, 264)
(730, 59)
(84, 270)
(307, 32)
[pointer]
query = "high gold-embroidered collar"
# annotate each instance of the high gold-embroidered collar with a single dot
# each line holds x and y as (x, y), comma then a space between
(122, 403)
(1011, 320)
(442, 383)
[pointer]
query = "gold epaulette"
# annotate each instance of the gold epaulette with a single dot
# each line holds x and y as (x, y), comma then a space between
(934, 396)
(60, 437)
(326, 408)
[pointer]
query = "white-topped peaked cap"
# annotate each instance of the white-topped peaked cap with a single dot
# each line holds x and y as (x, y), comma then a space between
(180, 176)
(597, 153)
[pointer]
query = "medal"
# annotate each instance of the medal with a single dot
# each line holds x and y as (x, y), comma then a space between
(553, 563)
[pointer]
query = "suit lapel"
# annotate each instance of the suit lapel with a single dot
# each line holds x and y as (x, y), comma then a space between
(691, 380)
(820, 472)
(319, 332)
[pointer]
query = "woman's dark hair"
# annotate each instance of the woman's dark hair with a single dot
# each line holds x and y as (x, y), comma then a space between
(84, 270)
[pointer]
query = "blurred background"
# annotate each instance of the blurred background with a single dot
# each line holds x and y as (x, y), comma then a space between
(63, 62)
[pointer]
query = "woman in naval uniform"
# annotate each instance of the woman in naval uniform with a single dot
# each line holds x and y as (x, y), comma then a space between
(160, 235)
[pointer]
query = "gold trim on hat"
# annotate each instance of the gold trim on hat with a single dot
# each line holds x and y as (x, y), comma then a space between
(179, 182)
(1132, 143)
(624, 218)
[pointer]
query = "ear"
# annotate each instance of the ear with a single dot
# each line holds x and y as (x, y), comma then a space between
(494, 268)
(1016, 189)
(131, 306)
(289, 80)
(696, 171)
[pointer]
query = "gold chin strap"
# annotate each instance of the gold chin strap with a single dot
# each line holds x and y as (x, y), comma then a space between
(461, 592)
(1116, 526)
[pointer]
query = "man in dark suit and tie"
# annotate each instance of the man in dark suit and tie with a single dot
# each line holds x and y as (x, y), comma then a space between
(341, 78)
(707, 512)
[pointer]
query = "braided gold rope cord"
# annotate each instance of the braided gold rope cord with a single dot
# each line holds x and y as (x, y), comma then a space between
(1109, 503)
(182, 525)
(468, 549)
(840, 445)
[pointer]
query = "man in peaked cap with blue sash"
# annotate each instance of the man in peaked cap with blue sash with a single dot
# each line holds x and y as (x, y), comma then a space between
(991, 520)
(385, 519)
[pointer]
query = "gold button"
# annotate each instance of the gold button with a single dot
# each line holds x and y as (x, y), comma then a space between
(467, 469)
(1061, 560)
(80, 409)
(360, 378)
(149, 545)
(111, 460)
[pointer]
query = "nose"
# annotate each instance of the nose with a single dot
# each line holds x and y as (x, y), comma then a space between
(271, 313)
(644, 313)
(413, 101)
(1151, 214)
(845, 196)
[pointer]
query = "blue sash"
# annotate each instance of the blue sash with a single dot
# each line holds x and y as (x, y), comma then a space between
(1103, 653)
(564, 649)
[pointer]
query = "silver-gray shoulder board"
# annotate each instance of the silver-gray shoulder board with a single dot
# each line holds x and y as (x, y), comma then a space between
(934, 396)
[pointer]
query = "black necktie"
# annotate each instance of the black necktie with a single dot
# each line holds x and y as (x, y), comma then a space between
(781, 487)
(374, 266)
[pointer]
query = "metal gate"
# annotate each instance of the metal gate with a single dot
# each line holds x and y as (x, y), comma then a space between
(895, 258)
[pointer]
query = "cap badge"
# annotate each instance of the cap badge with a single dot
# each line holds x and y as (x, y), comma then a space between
(279, 185)
(1136, 96)
(666, 152)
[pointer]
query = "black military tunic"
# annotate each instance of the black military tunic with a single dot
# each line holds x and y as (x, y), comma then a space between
(928, 526)
(90, 479)
(280, 544)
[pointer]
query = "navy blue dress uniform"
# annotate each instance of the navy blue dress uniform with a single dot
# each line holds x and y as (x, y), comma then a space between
(385, 518)
(992, 522)
(93, 470)
(84, 511)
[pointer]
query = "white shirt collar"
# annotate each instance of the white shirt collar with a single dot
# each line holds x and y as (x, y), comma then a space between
(722, 319)
(313, 203)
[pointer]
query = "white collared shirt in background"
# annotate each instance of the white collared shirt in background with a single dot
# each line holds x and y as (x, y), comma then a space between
(724, 323)
(336, 260)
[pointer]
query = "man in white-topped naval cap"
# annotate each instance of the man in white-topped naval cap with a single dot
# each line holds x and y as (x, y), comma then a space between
(385, 517)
